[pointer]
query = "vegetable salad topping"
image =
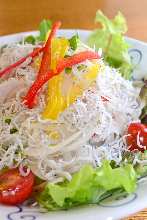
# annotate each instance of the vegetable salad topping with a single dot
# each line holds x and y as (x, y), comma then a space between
(70, 128)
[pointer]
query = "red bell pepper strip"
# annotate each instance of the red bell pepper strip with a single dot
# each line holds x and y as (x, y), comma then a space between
(22, 60)
(104, 99)
(75, 59)
(66, 62)
(46, 58)
(35, 53)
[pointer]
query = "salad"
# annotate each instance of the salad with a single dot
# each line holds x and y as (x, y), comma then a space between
(72, 123)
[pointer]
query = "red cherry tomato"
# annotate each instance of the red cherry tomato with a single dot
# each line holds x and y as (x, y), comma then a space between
(14, 188)
(137, 131)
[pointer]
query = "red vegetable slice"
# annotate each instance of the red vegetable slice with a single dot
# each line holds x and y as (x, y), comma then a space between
(46, 58)
(75, 59)
(137, 137)
(104, 99)
(22, 60)
(66, 62)
(14, 188)
(35, 53)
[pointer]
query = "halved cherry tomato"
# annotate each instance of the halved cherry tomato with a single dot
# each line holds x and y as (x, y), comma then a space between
(14, 188)
(137, 130)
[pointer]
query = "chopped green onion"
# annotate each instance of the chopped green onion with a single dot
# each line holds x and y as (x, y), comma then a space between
(74, 42)
(30, 39)
(13, 130)
(66, 56)
(68, 70)
(8, 121)
(81, 67)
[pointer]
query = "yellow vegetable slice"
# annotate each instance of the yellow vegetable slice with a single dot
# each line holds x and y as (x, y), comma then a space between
(58, 49)
(57, 101)
(78, 88)
(92, 73)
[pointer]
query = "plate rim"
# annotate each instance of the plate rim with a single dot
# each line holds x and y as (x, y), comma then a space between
(25, 33)
(21, 34)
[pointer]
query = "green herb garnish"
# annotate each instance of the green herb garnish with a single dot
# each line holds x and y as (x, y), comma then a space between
(30, 39)
(81, 67)
(13, 130)
(8, 121)
(68, 70)
(66, 56)
(74, 42)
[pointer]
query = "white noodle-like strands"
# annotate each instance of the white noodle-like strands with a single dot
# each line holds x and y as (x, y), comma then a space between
(90, 130)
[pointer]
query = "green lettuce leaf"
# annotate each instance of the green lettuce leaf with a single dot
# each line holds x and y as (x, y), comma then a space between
(44, 27)
(88, 186)
(141, 168)
(110, 38)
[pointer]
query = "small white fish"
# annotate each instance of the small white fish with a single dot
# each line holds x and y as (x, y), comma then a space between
(9, 88)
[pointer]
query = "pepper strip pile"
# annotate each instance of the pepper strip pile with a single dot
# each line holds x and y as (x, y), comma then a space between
(62, 64)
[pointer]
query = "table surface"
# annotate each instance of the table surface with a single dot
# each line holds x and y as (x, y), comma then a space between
(18, 16)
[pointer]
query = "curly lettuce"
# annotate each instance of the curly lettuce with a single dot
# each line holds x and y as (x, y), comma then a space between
(111, 39)
(88, 186)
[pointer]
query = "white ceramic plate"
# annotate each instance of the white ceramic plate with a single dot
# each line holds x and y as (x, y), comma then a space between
(108, 209)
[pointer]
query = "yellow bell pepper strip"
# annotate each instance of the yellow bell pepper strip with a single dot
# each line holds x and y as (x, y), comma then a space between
(91, 73)
(55, 100)
(62, 64)
(58, 100)
(59, 47)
